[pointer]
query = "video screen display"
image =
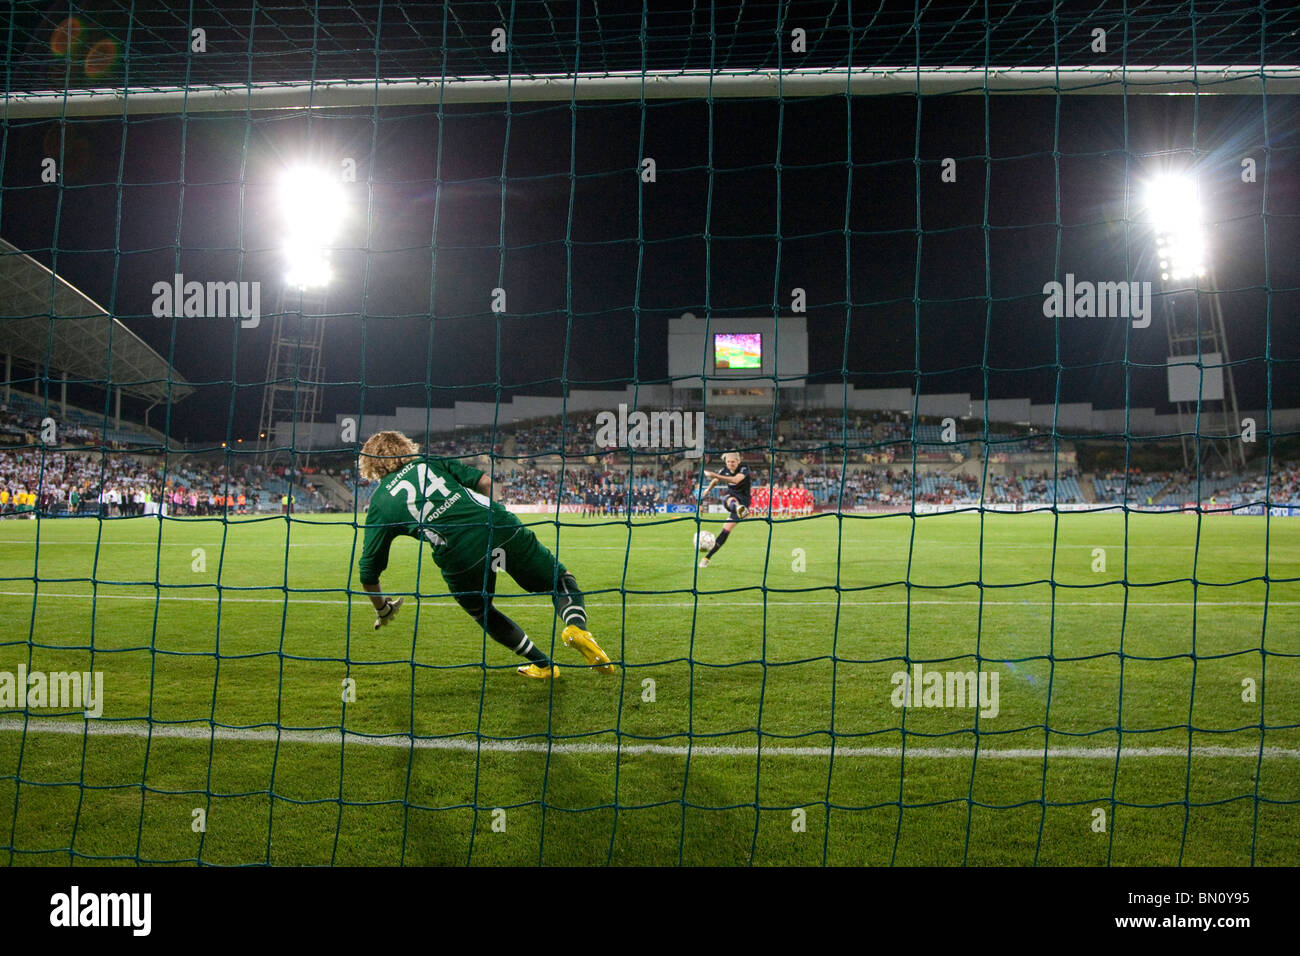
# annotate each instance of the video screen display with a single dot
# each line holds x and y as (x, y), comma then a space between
(737, 350)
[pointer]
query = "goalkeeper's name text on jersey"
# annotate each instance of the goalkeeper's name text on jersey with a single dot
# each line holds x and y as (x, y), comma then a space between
(438, 511)
(434, 499)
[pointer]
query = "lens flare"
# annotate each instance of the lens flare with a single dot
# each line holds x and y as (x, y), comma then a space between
(65, 36)
(101, 58)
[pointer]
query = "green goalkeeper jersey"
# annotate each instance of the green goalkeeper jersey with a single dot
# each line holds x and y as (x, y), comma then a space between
(434, 499)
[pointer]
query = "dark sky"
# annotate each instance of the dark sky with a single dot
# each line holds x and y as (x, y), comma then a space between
(595, 264)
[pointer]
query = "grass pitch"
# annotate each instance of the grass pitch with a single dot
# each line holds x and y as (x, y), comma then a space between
(750, 719)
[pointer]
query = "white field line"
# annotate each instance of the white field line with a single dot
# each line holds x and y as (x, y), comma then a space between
(633, 600)
(989, 546)
(98, 728)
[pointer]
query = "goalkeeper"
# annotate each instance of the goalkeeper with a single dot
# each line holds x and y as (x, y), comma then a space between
(446, 503)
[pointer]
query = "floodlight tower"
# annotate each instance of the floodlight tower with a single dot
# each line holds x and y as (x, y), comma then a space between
(313, 210)
(1194, 327)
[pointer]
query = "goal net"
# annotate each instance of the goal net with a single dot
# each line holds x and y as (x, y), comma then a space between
(994, 307)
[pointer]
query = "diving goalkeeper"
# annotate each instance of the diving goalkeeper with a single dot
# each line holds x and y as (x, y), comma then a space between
(447, 503)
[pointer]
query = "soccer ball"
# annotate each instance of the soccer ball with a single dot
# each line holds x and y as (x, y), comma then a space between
(704, 541)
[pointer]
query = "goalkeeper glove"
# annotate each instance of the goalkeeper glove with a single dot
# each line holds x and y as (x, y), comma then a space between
(389, 612)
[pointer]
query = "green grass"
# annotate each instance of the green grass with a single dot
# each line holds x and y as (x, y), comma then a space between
(761, 653)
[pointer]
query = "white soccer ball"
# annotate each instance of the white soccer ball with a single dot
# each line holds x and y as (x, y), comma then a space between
(704, 541)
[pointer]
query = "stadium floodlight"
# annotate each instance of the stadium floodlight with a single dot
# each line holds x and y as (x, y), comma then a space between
(1173, 203)
(313, 208)
(308, 266)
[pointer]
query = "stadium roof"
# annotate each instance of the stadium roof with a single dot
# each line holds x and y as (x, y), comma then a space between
(85, 341)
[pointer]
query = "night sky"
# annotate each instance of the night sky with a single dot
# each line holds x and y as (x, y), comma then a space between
(910, 281)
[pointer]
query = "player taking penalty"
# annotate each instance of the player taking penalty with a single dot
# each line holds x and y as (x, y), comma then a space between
(448, 504)
(735, 498)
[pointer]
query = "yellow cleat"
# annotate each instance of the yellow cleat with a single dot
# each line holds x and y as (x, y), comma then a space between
(538, 673)
(584, 643)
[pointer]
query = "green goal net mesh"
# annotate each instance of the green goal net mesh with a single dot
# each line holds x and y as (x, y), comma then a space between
(1004, 340)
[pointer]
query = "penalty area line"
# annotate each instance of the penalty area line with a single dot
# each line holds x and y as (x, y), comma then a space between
(268, 735)
(632, 600)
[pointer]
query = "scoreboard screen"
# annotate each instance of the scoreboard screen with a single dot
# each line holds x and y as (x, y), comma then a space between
(737, 350)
